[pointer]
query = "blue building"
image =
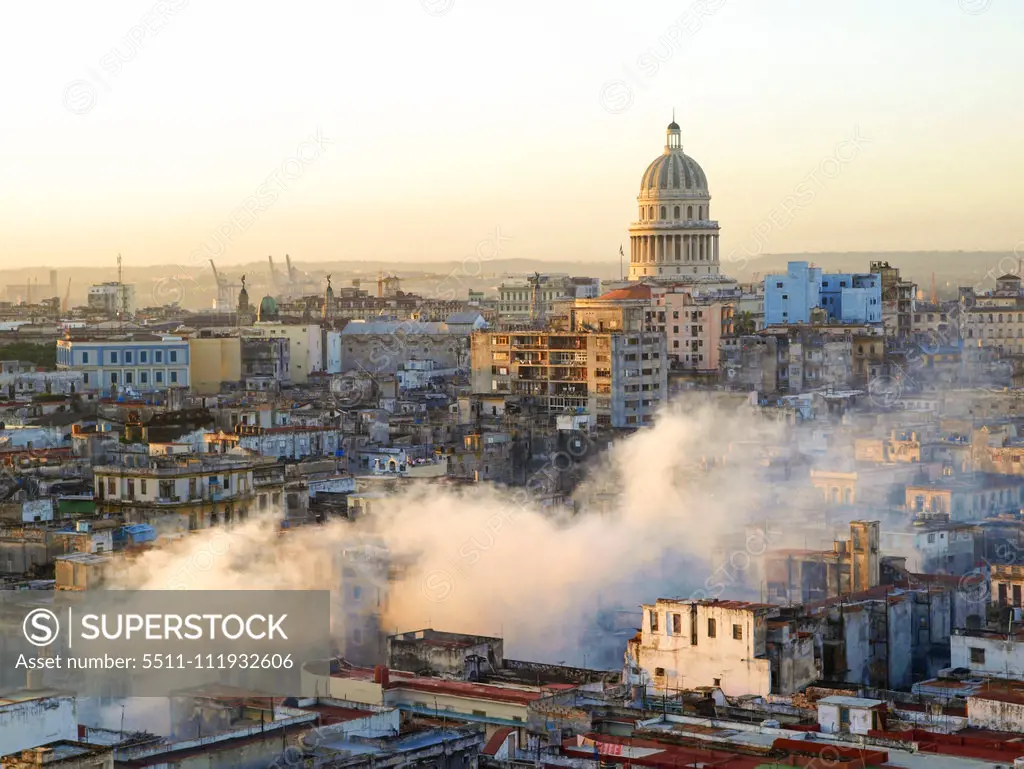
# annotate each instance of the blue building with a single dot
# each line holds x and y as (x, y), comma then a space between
(845, 297)
(141, 362)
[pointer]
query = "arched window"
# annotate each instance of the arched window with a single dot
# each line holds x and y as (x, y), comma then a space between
(689, 212)
(1000, 317)
(848, 496)
(650, 212)
(700, 212)
(642, 215)
(676, 212)
(664, 215)
(990, 317)
(835, 494)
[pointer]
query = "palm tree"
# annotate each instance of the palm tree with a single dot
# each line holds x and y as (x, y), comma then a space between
(744, 324)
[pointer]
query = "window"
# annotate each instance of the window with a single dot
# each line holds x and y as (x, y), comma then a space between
(85, 357)
(143, 356)
(111, 486)
(158, 356)
(174, 356)
(159, 377)
(113, 357)
(717, 681)
(711, 628)
(144, 377)
(977, 656)
(85, 378)
(113, 377)
(481, 713)
(174, 377)
(737, 632)
(127, 356)
(142, 486)
(654, 621)
(677, 624)
(659, 672)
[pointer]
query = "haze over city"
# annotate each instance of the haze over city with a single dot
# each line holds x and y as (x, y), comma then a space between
(467, 385)
(443, 120)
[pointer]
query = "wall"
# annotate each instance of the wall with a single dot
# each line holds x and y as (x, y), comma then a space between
(993, 714)
(36, 722)
(1002, 658)
(215, 361)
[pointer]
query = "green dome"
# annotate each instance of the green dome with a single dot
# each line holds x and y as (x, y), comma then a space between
(268, 308)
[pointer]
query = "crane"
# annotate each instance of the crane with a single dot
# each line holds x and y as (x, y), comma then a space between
(223, 303)
(291, 270)
(273, 274)
(66, 304)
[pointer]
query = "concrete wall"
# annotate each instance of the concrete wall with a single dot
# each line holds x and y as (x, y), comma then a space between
(36, 722)
(1000, 716)
(215, 361)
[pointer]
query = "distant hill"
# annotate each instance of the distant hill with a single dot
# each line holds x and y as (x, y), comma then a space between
(951, 268)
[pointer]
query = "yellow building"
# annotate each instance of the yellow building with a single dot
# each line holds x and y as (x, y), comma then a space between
(305, 345)
(215, 360)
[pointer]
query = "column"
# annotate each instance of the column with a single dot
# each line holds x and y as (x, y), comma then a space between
(716, 249)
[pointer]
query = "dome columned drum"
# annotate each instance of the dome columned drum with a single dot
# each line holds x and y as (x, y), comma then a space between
(673, 235)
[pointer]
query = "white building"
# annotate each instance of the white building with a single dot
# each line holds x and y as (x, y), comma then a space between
(685, 644)
(674, 234)
(112, 299)
(988, 654)
(849, 715)
(30, 719)
(21, 381)
(141, 362)
(305, 345)
(332, 352)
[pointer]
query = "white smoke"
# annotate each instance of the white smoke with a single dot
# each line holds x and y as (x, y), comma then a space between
(491, 560)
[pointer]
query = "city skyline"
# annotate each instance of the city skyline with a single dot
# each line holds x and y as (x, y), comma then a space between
(130, 141)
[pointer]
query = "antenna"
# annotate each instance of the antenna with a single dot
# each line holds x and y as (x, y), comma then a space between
(121, 304)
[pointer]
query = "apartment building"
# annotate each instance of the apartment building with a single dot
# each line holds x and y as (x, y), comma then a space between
(845, 297)
(142, 362)
(215, 359)
(694, 643)
(187, 492)
(618, 377)
(898, 300)
(113, 299)
(694, 327)
(996, 321)
(522, 300)
(305, 346)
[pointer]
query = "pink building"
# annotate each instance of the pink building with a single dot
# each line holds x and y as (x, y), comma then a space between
(694, 328)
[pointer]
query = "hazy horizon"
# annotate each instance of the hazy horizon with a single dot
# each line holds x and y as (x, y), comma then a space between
(144, 129)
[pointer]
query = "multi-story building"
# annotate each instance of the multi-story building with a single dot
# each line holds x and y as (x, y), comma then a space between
(187, 492)
(898, 298)
(382, 347)
(112, 299)
(845, 297)
(674, 234)
(305, 345)
(689, 644)
(266, 363)
(996, 321)
(694, 327)
(142, 362)
(531, 299)
(618, 377)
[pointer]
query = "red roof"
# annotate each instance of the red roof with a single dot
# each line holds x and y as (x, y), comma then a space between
(633, 292)
(497, 740)
(466, 689)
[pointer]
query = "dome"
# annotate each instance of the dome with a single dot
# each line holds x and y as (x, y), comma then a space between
(674, 171)
(673, 126)
(268, 308)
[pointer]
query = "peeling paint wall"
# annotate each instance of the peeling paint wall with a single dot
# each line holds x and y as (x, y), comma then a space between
(36, 722)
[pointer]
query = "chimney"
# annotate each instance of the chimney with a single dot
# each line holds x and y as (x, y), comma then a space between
(381, 676)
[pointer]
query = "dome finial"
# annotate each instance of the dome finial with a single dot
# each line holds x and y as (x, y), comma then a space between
(675, 139)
